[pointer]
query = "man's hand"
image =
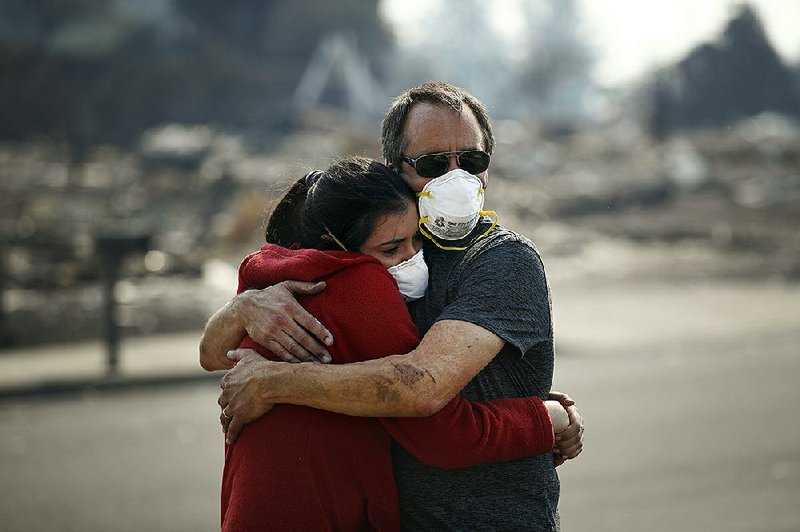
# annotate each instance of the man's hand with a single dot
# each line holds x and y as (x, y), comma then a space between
(273, 318)
(241, 399)
(569, 443)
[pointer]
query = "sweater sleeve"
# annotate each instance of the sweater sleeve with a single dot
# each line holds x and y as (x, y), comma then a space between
(243, 283)
(463, 433)
(466, 433)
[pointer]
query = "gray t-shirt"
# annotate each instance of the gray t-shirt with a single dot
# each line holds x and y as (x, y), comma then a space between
(499, 284)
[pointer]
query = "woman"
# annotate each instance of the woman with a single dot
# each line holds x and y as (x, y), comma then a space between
(298, 468)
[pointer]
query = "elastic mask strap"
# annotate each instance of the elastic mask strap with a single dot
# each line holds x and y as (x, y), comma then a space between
(493, 216)
(330, 234)
(430, 237)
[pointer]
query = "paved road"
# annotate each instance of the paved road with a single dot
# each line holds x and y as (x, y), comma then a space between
(133, 460)
(698, 433)
(702, 437)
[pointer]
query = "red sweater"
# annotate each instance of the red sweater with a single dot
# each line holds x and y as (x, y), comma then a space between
(299, 468)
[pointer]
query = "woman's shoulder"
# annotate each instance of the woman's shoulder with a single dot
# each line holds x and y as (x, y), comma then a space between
(363, 284)
(273, 264)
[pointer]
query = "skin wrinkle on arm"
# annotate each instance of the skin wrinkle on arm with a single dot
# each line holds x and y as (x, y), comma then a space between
(419, 383)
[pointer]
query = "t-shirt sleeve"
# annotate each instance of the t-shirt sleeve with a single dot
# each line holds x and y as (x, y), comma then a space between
(504, 290)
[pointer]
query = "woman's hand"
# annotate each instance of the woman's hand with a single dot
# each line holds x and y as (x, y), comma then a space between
(558, 416)
(242, 398)
(569, 443)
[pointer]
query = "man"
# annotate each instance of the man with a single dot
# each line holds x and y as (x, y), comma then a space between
(487, 329)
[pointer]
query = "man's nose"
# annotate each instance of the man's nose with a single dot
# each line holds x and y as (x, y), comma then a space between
(452, 162)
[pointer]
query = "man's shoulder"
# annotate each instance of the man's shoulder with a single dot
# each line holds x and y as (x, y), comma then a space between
(502, 244)
(502, 260)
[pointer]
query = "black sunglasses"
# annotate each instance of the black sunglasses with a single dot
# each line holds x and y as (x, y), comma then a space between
(436, 164)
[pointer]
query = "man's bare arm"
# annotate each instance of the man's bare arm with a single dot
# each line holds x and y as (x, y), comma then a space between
(274, 319)
(223, 332)
(417, 384)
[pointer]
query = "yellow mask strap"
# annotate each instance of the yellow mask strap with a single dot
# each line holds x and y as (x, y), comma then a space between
(430, 237)
(493, 216)
(330, 234)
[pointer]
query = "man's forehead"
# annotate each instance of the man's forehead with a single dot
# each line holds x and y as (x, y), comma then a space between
(442, 128)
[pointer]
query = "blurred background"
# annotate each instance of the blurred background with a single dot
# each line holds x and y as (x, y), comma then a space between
(651, 149)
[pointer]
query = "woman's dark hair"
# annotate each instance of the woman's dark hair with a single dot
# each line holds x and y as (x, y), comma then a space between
(345, 201)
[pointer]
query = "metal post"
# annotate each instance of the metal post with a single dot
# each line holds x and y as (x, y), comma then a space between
(111, 267)
(111, 249)
(5, 335)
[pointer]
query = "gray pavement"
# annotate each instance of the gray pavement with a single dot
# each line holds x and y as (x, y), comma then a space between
(140, 459)
(702, 437)
(689, 392)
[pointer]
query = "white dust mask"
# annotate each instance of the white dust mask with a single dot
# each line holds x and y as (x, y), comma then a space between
(411, 276)
(451, 205)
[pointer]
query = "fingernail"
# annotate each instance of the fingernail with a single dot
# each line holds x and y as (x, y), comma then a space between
(558, 438)
(228, 441)
(326, 358)
(556, 451)
(328, 340)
